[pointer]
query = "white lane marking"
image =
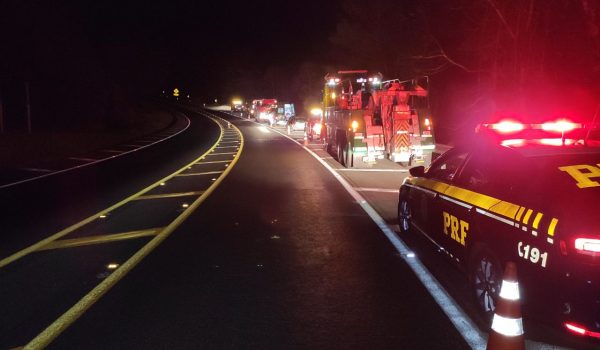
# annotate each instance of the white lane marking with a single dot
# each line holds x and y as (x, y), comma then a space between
(188, 123)
(375, 170)
(327, 158)
(381, 190)
(83, 159)
(465, 326)
(37, 170)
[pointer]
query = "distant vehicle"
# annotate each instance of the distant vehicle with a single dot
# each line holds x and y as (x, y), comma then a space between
(313, 128)
(237, 106)
(264, 110)
(526, 193)
(296, 123)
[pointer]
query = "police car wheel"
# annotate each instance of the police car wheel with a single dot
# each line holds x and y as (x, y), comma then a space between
(486, 277)
(404, 216)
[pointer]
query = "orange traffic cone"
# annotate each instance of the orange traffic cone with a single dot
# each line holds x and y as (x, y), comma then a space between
(507, 324)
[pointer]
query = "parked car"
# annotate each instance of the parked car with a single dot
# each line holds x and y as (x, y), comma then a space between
(296, 123)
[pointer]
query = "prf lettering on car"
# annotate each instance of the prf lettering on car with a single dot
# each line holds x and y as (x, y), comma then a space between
(458, 228)
(583, 174)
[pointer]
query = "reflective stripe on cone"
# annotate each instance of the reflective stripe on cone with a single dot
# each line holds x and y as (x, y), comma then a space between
(507, 325)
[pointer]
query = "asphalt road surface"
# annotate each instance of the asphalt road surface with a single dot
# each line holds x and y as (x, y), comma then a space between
(227, 236)
(278, 256)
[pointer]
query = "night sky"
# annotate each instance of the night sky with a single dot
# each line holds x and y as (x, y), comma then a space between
(480, 56)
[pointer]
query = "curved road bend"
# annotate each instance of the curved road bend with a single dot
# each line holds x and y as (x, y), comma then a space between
(278, 257)
(38, 287)
(34, 210)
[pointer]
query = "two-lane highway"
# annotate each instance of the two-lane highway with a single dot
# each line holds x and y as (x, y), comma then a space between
(279, 256)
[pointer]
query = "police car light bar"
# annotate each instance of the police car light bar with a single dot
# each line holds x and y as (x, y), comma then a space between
(506, 126)
(511, 126)
(561, 126)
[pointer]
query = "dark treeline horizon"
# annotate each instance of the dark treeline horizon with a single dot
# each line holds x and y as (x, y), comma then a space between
(88, 62)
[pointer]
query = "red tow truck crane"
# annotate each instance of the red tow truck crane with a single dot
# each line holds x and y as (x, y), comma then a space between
(374, 119)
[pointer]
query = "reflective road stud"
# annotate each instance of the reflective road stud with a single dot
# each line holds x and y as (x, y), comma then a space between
(507, 324)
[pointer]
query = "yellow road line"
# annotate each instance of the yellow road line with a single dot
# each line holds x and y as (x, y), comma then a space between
(68, 230)
(213, 162)
(63, 322)
(78, 242)
(168, 195)
(221, 153)
(197, 174)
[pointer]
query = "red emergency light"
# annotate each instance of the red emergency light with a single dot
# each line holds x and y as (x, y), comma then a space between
(561, 126)
(560, 132)
(506, 126)
(509, 126)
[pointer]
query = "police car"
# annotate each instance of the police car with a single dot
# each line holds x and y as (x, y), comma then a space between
(527, 193)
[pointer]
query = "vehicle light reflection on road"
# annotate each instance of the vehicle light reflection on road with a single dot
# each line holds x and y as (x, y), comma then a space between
(263, 129)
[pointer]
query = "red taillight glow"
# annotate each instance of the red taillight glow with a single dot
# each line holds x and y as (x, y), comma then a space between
(317, 128)
(579, 330)
(560, 126)
(513, 142)
(507, 126)
(587, 245)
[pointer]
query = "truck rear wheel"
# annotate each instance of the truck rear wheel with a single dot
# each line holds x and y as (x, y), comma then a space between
(340, 154)
(347, 155)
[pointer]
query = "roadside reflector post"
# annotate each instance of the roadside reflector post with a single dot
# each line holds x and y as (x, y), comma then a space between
(507, 325)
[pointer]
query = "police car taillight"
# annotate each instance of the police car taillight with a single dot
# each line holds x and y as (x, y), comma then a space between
(580, 330)
(589, 246)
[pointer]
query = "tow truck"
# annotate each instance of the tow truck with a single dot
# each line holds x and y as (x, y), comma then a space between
(522, 192)
(367, 117)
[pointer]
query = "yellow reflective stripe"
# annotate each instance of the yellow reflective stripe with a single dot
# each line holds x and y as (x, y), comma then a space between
(552, 226)
(431, 184)
(474, 198)
(537, 219)
(520, 213)
(527, 215)
(483, 201)
(505, 208)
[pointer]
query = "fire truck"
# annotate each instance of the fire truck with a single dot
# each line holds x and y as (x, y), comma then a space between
(364, 116)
